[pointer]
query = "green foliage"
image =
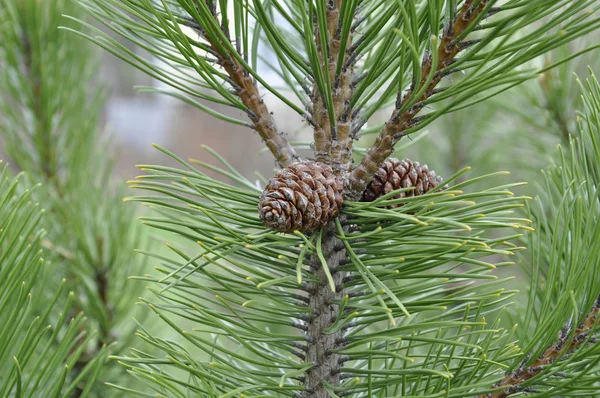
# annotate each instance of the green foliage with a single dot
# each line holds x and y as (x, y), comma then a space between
(234, 292)
(421, 305)
(423, 300)
(564, 265)
(420, 288)
(50, 110)
(393, 38)
(41, 340)
(49, 100)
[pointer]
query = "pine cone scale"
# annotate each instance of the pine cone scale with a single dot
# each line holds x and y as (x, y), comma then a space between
(303, 196)
(301, 202)
(394, 174)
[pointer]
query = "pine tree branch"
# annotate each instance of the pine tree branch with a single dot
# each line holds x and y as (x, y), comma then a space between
(452, 42)
(513, 383)
(333, 144)
(105, 332)
(557, 113)
(47, 107)
(247, 90)
(42, 124)
(321, 345)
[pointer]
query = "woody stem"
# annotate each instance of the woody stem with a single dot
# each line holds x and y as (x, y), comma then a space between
(247, 90)
(513, 382)
(404, 116)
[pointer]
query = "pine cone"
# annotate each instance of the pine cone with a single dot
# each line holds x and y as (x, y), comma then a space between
(395, 174)
(303, 196)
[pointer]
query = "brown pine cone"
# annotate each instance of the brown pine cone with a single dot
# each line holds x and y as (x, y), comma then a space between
(395, 174)
(303, 196)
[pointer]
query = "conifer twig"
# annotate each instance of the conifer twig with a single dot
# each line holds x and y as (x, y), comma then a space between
(513, 382)
(105, 333)
(333, 143)
(321, 345)
(31, 66)
(452, 42)
(247, 90)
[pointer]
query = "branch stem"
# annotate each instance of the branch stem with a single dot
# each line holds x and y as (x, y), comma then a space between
(323, 302)
(333, 143)
(105, 332)
(404, 115)
(47, 158)
(513, 383)
(247, 90)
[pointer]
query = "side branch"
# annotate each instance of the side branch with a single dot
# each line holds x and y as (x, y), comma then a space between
(451, 44)
(246, 88)
(513, 383)
(43, 130)
(333, 143)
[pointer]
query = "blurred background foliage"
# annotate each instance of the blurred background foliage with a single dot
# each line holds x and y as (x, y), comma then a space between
(52, 104)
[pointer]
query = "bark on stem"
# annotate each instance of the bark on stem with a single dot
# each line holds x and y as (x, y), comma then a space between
(325, 310)
(259, 114)
(247, 90)
(448, 49)
(333, 144)
(513, 383)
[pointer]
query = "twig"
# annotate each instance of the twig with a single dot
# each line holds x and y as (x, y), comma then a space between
(451, 44)
(247, 90)
(333, 143)
(105, 333)
(42, 123)
(48, 167)
(513, 383)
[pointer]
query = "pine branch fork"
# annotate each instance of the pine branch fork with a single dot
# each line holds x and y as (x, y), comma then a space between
(343, 60)
(307, 195)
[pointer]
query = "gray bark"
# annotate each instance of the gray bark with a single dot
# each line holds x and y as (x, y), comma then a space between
(323, 302)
